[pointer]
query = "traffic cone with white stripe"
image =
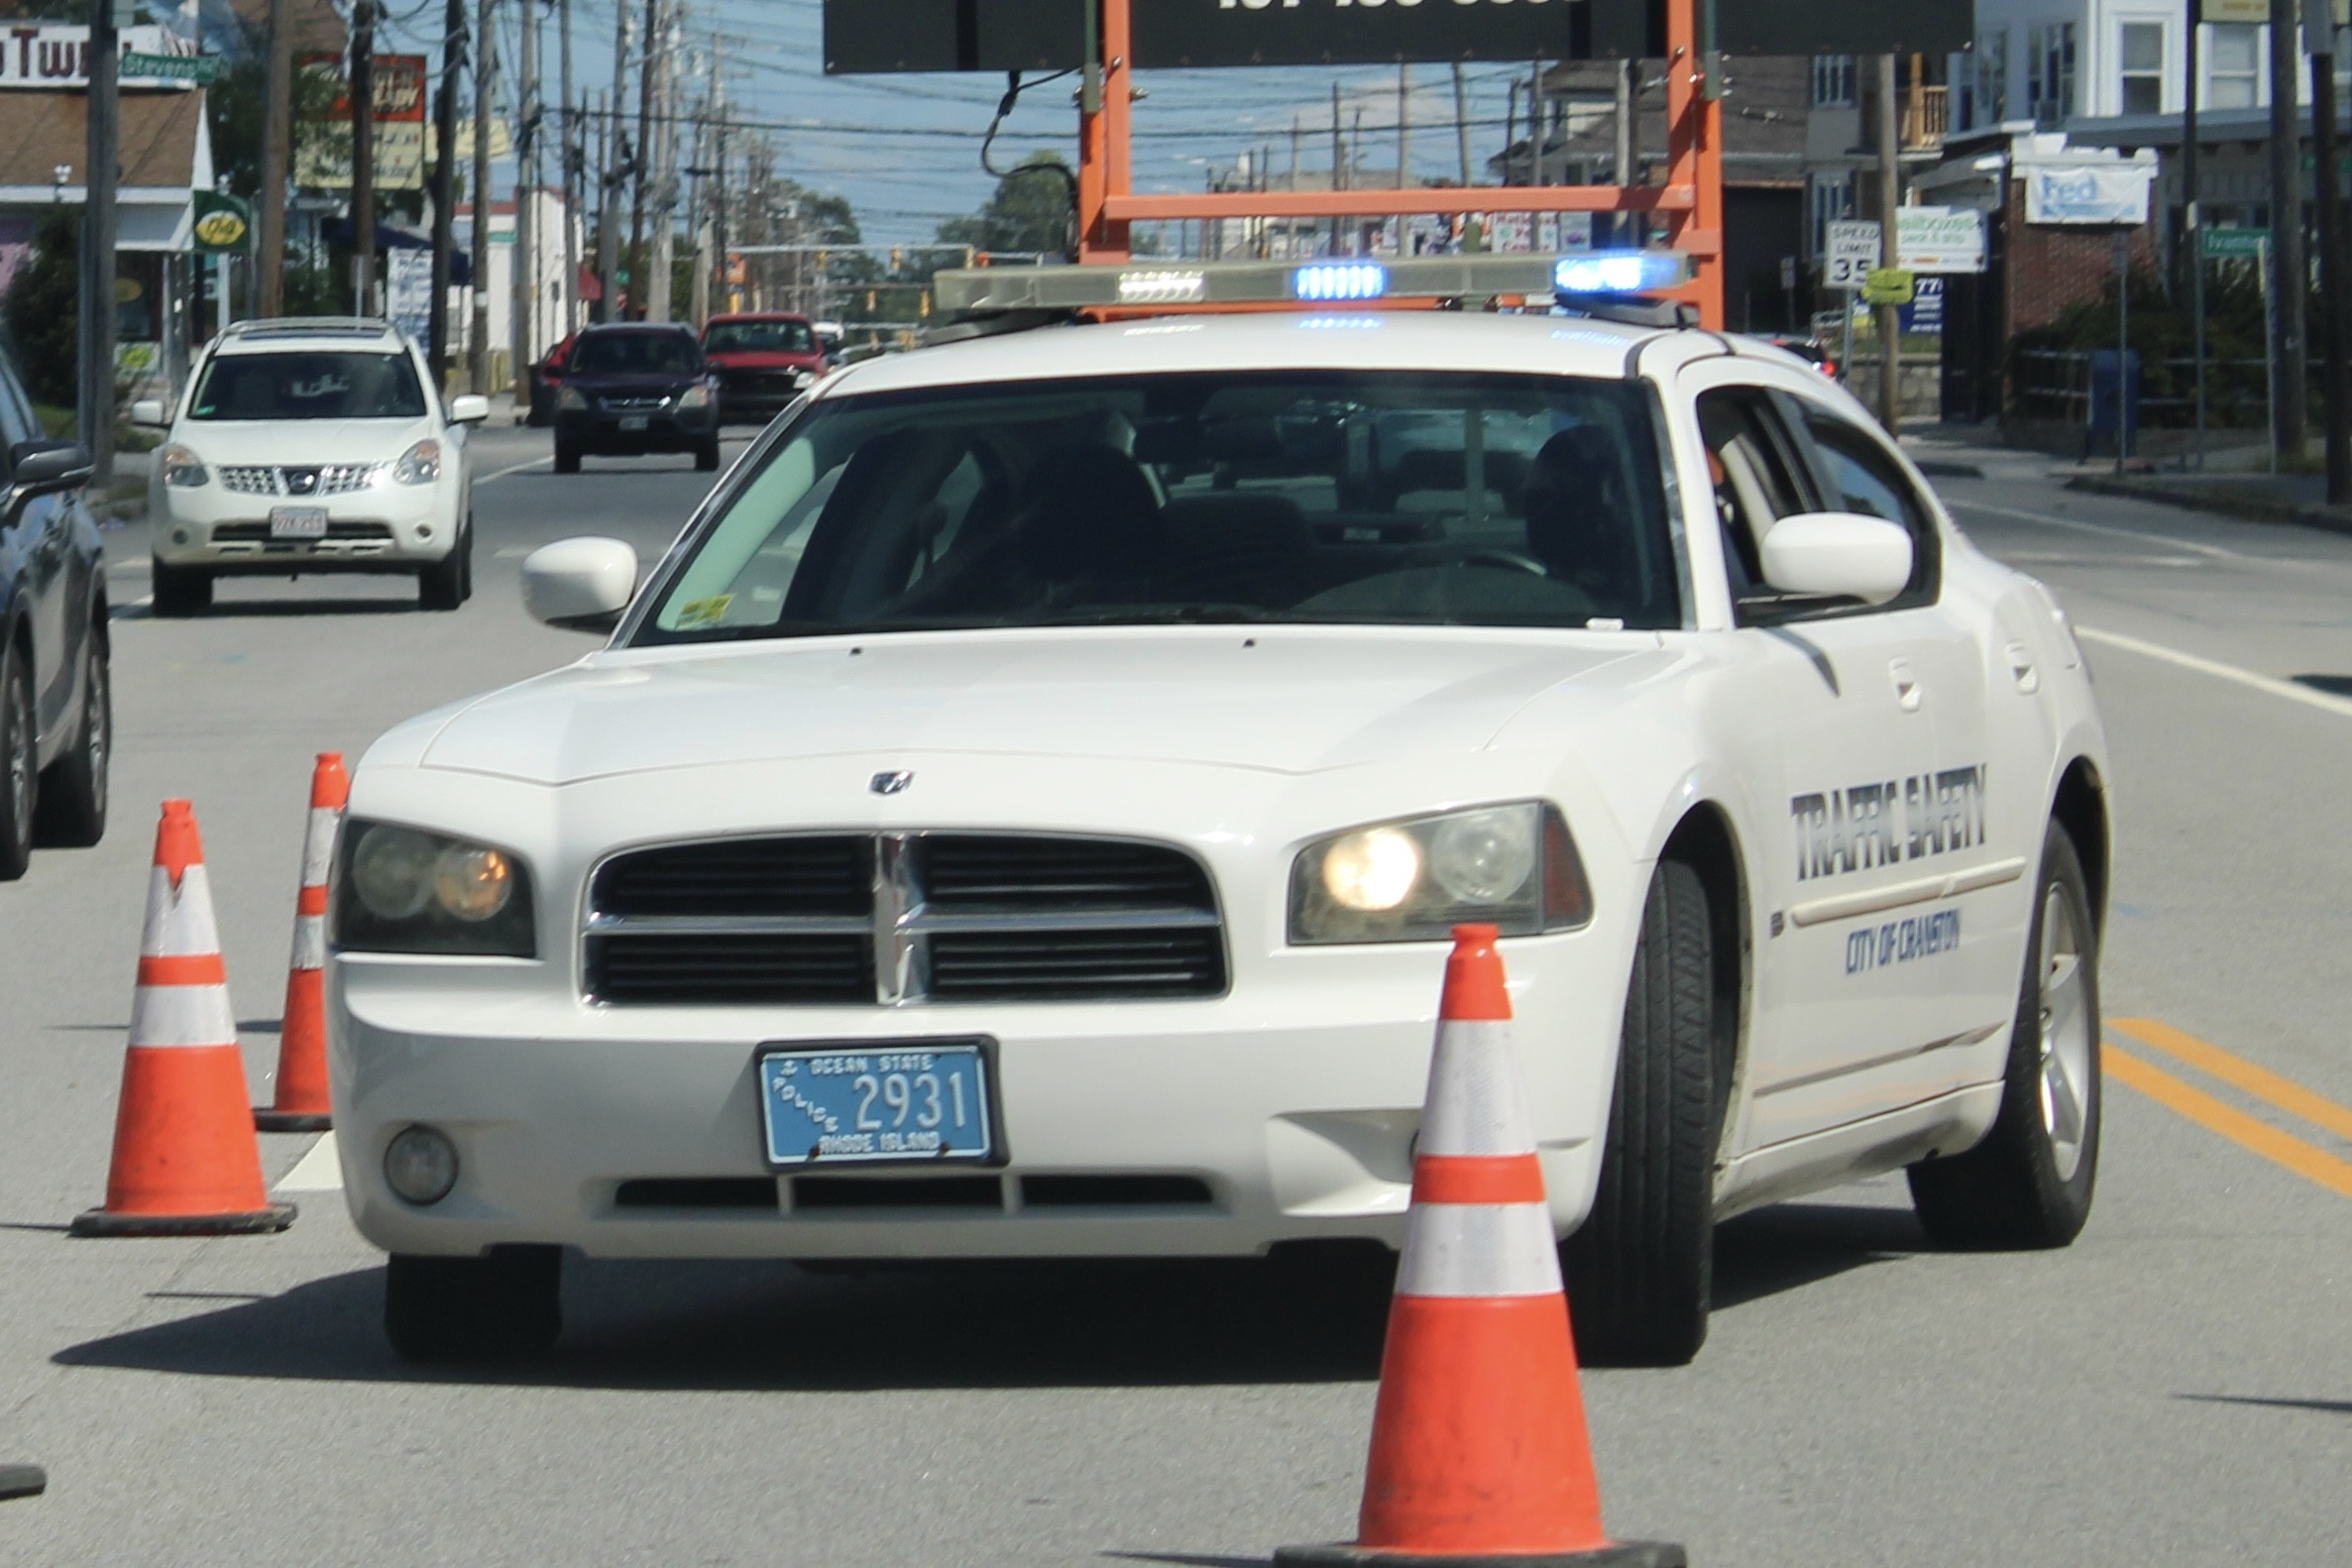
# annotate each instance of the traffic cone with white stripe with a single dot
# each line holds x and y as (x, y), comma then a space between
(1478, 1449)
(302, 1097)
(185, 1160)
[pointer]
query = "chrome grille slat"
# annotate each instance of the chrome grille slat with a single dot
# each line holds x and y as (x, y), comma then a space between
(321, 479)
(930, 917)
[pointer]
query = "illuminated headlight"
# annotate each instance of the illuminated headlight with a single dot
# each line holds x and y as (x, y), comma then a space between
(1512, 867)
(182, 469)
(419, 465)
(696, 397)
(420, 1165)
(570, 398)
(399, 890)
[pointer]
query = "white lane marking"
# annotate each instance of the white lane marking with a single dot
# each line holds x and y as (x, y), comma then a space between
(319, 1171)
(135, 568)
(513, 552)
(2325, 702)
(515, 468)
(2210, 551)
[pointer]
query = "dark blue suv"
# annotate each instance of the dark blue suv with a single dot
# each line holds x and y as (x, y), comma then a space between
(57, 726)
(634, 389)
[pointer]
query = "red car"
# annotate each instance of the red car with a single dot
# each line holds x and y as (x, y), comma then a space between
(547, 379)
(763, 359)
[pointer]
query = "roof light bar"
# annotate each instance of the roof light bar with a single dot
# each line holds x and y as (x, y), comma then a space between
(1334, 281)
(1160, 287)
(1621, 272)
(1339, 279)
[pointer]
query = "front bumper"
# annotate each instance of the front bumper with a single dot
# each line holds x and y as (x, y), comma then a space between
(665, 430)
(385, 527)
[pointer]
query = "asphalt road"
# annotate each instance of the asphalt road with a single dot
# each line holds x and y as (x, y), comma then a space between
(2176, 1387)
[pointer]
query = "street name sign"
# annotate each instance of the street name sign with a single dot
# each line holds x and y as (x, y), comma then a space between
(2235, 244)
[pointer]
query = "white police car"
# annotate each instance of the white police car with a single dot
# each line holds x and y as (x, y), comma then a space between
(1023, 814)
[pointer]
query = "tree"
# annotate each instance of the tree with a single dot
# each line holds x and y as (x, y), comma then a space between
(1034, 208)
(43, 310)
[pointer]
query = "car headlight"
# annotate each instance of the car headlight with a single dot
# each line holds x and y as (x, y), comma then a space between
(419, 465)
(570, 398)
(696, 397)
(402, 890)
(1514, 866)
(182, 469)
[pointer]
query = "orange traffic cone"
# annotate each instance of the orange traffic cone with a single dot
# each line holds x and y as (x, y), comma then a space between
(1478, 1449)
(185, 1161)
(301, 1098)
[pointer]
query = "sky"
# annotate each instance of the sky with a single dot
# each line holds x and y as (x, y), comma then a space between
(906, 150)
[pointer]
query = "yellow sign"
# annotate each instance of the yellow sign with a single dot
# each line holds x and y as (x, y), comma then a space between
(1888, 286)
(223, 231)
(2236, 10)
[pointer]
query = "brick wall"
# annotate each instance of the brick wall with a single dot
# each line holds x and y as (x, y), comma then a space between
(2050, 266)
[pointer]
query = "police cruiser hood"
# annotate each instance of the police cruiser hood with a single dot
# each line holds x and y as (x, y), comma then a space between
(1279, 699)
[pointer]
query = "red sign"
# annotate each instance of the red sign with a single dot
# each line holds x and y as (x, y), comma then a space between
(399, 86)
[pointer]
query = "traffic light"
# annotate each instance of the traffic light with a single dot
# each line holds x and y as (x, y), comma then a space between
(894, 260)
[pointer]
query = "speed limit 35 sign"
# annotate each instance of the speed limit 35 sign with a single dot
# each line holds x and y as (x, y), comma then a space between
(1851, 253)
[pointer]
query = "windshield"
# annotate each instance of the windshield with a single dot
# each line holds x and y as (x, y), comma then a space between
(759, 337)
(636, 354)
(327, 384)
(1331, 496)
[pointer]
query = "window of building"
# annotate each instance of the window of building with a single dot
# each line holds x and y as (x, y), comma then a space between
(2142, 53)
(2049, 73)
(1833, 81)
(2233, 63)
(1828, 197)
(1993, 79)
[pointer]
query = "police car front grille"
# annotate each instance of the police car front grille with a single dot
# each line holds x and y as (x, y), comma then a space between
(892, 919)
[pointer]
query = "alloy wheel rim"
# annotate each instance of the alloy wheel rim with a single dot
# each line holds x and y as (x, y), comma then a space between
(2065, 1044)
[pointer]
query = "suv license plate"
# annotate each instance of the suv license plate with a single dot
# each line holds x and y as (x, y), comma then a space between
(634, 421)
(926, 1101)
(298, 523)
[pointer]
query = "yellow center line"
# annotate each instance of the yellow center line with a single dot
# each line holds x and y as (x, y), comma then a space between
(2261, 1082)
(2312, 1164)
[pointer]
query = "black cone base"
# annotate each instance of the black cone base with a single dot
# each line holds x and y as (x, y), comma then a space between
(291, 1121)
(1616, 1554)
(21, 1481)
(260, 1222)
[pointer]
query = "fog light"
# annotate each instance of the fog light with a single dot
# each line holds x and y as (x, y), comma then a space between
(424, 530)
(420, 1165)
(180, 536)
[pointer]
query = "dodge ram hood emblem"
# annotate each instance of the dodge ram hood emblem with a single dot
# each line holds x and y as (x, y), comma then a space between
(891, 783)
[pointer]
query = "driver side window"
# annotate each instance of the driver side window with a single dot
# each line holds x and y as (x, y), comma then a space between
(1859, 477)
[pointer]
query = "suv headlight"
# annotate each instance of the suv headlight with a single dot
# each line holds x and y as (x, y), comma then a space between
(1514, 866)
(182, 469)
(419, 465)
(696, 397)
(402, 890)
(570, 398)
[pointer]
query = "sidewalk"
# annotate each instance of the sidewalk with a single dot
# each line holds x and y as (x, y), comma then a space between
(1974, 451)
(2298, 498)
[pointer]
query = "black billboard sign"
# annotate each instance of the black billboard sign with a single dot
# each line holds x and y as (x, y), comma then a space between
(862, 36)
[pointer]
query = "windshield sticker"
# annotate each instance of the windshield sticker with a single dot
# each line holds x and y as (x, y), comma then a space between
(1902, 941)
(704, 612)
(1868, 826)
(328, 385)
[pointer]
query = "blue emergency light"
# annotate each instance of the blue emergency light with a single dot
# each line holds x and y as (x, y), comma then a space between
(1339, 280)
(1620, 272)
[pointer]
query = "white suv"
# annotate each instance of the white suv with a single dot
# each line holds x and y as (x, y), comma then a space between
(311, 445)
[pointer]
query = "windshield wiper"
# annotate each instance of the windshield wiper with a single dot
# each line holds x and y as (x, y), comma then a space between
(1164, 615)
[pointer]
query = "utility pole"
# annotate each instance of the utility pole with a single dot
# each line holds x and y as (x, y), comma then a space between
(1535, 123)
(2289, 278)
(1403, 153)
(485, 70)
(1890, 195)
(2193, 224)
(616, 164)
(574, 184)
(642, 161)
(95, 392)
(1462, 124)
(526, 307)
(363, 155)
(453, 64)
(1628, 147)
(1338, 163)
(662, 267)
(2320, 30)
(277, 136)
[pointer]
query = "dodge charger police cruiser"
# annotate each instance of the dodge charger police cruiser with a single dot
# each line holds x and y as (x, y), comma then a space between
(1024, 813)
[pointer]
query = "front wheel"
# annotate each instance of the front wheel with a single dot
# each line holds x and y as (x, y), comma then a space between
(567, 458)
(1640, 1270)
(20, 780)
(72, 811)
(181, 590)
(505, 1303)
(705, 456)
(448, 582)
(2028, 1183)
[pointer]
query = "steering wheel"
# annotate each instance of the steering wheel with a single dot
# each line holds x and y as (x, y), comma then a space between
(1507, 561)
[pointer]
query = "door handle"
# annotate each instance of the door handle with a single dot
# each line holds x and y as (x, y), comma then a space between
(2021, 669)
(1908, 692)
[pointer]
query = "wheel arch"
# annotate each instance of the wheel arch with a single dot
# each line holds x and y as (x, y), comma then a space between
(2079, 806)
(1706, 841)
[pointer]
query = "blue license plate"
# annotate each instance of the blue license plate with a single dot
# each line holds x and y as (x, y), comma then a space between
(921, 1100)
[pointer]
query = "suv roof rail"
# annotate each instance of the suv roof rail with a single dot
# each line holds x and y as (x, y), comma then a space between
(310, 327)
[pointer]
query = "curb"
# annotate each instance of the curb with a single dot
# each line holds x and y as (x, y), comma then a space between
(2252, 508)
(1939, 468)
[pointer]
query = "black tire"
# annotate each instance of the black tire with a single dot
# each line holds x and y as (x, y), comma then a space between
(705, 456)
(1640, 1270)
(2028, 1183)
(72, 814)
(181, 590)
(449, 582)
(20, 782)
(567, 458)
(505, 1304)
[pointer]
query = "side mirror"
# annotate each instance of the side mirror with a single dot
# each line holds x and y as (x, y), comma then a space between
(1836, 553)
(151, 413)
(472, 408)
(580, 585)
(45, 468)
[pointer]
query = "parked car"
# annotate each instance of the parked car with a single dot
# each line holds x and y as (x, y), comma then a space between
(763, 359)
(631, 388)
(547, 376)
(57, 729)
(311, 444)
